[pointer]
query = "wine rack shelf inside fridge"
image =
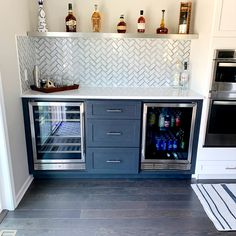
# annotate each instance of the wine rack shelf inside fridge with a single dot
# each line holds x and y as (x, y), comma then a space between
(168, 130)
(57, 135)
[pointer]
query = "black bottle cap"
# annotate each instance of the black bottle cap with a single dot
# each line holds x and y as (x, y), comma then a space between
(185, 65)
(141, 12)
(69, 6)
(40, 2)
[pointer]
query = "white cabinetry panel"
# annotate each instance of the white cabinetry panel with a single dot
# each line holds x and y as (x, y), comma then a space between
(217, 167)
(225, 18)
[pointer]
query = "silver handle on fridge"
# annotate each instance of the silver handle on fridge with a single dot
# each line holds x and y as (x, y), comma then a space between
(224, 103)
(227, 64)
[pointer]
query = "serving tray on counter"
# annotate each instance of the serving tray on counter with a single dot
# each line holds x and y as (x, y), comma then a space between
(54, 89)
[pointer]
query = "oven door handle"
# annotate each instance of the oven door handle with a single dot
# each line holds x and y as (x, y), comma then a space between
(225, 64)
(224, 103)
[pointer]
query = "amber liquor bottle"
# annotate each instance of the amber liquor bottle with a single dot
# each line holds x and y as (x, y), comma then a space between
(96, 19)
(162, 29)
(70, 20)
(121, 26)
(141, 23)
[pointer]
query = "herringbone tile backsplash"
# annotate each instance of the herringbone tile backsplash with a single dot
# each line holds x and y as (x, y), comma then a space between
(107, 62)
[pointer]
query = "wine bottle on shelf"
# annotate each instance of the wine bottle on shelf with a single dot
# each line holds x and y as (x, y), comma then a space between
(141, 23)
(162, 29)
(183, 24)
(96, 19)
(121, 26)
(70, 20)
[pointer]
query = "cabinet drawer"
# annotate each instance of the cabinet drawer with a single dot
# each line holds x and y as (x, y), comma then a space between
(113, 109)
(217, 167)
(113, 160)
(113, 133)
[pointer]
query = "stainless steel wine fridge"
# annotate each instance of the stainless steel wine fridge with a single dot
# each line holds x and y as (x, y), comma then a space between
(168, 131)
(57, 132)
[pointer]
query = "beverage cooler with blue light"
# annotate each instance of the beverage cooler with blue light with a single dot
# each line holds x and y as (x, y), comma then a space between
(167, 135)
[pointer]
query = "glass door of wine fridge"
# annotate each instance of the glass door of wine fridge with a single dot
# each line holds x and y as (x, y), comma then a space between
(57, 131)
(167, 138)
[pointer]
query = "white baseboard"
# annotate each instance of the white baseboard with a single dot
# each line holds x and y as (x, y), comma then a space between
(23, 189)
(216, 176)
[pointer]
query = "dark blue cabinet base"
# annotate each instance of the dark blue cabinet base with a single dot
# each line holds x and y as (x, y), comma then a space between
(112, 142)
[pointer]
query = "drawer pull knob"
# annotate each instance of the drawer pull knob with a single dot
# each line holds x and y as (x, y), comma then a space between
(114, 110)
(114, 133)
(230, 168)
(113, 161)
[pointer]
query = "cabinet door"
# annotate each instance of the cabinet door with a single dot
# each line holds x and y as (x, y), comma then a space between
(114, 109)
(113, 160)
(225, 18)
(113, 133)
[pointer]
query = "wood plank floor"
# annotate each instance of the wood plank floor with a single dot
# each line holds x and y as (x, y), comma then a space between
(110, 208)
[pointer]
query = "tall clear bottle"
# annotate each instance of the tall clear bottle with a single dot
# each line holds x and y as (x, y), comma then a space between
(184, 77)
(176, 75)
(70, 20)
(96, 19)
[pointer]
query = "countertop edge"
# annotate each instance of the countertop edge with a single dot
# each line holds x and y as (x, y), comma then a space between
(119, 93)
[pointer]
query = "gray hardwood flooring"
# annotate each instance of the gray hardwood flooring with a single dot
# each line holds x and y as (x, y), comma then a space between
(110, 208)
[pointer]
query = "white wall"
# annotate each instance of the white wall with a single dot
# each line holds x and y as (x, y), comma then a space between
(111, 11)
(18, 23)
(7, 193)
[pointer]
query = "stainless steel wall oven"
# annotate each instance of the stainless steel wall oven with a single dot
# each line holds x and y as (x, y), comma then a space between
(57, 132)
(221, 124)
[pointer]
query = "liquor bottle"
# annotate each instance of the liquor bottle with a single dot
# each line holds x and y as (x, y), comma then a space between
(36, 76)
(141, 23)
(121, 26)
(184, 17)
(162, 120)
(182, 142)
(172, 120)
(167, 121)
(183, 25)
(178, 119)
(96, 19)
(184, 77)
(152, 118)
(176, 75)
(162, 29)
(70, 20)
(42, 26)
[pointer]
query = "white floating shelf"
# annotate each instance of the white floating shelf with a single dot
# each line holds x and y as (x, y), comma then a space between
(112, 35)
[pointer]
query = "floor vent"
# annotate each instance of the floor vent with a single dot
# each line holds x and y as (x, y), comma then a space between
(8, 233)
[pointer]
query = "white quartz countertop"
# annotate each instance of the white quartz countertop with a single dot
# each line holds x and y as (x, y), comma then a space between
(117, 93)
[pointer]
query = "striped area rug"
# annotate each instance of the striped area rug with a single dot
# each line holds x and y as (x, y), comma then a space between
(219, 203)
